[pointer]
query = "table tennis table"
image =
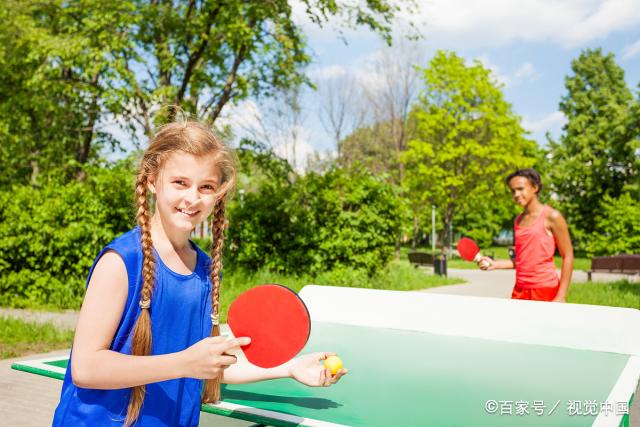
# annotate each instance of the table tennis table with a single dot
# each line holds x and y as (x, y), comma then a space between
(421, 359)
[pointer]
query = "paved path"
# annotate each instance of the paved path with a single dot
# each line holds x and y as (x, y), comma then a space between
(62, 319)
(496, 283)
(499, 283)
(25, 399)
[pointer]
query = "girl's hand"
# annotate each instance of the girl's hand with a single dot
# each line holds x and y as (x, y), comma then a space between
(309, 370)
(209, 357)
(559, 298)
(486, 263)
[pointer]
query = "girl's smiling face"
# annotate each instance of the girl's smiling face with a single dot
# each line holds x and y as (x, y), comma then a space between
(186, 189)
(522, 190)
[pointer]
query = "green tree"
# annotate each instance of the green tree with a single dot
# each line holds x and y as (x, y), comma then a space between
(482, 218)
(378, 116)
(267, 226)
(259, 166)
(467, 139)
(72, 64)
(203, 54)
(597, 154)
(373, 148)
(60, 77)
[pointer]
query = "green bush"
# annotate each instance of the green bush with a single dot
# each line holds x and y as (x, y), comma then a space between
(356, 216)
(270, 229)
(617, 227)
(315, 223)
(49, 235)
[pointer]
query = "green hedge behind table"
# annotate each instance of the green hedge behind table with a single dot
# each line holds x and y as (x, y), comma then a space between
(50, 234)
(313, 225)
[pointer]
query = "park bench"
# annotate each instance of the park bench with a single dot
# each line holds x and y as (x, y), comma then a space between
(619, 264)
(423, 259)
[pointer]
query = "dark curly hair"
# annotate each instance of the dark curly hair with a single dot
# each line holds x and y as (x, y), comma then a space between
(531, 174)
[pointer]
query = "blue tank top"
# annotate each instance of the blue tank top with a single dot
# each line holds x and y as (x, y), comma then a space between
(180, 316)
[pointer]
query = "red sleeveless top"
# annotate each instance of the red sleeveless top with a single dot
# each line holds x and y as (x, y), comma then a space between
(534, 254)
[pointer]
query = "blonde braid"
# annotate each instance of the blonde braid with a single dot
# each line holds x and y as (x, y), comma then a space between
(211, 392)
(141, 344)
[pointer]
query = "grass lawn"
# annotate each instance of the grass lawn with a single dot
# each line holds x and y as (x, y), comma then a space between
(19, 338)
(499, 252)
(621, 293)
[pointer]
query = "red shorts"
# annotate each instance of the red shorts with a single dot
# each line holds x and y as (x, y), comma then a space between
(535, 294)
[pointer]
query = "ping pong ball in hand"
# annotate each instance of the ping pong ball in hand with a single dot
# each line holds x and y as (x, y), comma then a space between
(333, 363)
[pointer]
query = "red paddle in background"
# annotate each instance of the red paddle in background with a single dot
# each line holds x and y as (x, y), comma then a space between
(277, 321)
(469, 250)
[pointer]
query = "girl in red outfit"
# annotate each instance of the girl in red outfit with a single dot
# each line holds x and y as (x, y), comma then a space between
(537, 232)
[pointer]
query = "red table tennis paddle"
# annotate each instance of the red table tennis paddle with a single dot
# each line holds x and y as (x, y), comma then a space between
(277, 321)
(469, 250)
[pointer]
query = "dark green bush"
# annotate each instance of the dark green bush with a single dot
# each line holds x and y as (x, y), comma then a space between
(271, 229)
(49, 235)
(357, 216)
(617, 227)
(315, 223)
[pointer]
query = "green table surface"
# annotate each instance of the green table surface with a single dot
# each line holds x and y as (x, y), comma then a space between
(400, 377)
(406, 378)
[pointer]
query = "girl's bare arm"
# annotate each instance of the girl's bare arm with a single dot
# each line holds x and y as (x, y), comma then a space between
(560, 231)
(94, 365)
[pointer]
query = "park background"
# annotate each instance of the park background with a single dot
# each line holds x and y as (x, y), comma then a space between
(340, 165)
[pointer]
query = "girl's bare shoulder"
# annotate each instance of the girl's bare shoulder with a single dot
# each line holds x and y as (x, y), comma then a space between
(110, 270)
(554, 216)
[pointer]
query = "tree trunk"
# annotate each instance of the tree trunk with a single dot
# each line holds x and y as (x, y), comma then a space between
(447, 239)
(231, 78)
(416, 231)
(82, 155)
(35, 170)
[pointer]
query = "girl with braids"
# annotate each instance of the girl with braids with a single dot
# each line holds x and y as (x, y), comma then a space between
(538, 230)
(142, 353)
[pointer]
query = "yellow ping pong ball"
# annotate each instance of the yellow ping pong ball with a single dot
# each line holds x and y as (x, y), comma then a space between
(333, 363)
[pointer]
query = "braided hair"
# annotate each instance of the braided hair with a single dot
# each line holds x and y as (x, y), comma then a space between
(212, 387)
